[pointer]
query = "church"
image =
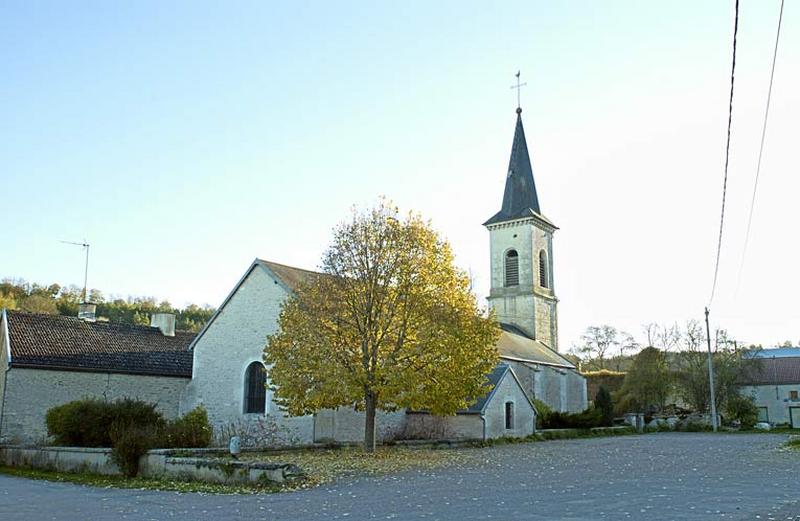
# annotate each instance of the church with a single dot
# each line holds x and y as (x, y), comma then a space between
(221, 367)
(228, 376)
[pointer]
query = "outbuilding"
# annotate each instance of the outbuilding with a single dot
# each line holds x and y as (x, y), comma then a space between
(506, 411)
(48, 360)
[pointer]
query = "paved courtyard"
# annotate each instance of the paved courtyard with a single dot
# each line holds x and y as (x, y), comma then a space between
(658, 476)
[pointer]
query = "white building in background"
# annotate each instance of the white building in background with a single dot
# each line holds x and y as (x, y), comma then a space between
(775, 385)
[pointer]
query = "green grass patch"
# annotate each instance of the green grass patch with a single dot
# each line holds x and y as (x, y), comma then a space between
(101, 481)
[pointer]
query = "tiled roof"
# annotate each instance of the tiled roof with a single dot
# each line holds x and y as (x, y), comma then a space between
(59, 342)
(289, 275)
(772, 371)
(514, 344)
(494, 379)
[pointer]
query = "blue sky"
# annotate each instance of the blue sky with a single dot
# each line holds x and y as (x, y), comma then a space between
(183, 139)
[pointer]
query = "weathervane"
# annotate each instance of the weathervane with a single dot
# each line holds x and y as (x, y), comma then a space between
(518, 86)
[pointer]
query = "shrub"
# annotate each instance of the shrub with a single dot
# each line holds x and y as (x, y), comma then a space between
(87, 422)
(587, 419)
(131, 442)
(743, 409)
(81, 423)
(190, 431)
(544, 412)
(603, 403)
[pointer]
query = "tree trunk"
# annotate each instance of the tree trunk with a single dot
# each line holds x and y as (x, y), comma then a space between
(369, 421)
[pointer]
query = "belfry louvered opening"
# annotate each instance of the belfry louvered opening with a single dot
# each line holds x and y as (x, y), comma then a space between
(543, 278)
(512, 268)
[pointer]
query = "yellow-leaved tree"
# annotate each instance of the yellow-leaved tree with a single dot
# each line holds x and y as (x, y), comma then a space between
(389, 324)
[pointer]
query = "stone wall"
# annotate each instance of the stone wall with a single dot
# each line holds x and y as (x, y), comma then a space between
(31, 392)
(561, 389)
(154, 464)
(423, 426)
(347, 425)
(235, 338)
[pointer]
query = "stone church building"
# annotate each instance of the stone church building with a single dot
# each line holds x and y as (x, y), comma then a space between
(221, 367)
(228, 375)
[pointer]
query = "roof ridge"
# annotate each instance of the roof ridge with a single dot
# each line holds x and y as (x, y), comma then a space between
(96, 323)
(265, 261)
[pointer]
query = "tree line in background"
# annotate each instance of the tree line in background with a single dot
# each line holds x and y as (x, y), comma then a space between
(64, 300)
(672, 368)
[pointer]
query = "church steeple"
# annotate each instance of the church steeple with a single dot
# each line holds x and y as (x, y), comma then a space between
(522, 292)
(519, 199)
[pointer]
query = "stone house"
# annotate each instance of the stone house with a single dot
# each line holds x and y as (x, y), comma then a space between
(774, 383)
(48, 360)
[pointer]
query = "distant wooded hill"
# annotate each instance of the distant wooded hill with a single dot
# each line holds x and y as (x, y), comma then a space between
(63, 300)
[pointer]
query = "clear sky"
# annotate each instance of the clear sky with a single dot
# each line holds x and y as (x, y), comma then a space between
(183, 139)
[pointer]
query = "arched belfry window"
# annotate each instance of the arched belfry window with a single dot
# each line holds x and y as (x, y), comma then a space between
(255, 388)
(543, 272)
(512, 268)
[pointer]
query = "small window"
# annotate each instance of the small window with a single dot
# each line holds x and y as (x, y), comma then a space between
(543, 275)
(512, 268)
(793, 396)
(509, 415)
(255, 389)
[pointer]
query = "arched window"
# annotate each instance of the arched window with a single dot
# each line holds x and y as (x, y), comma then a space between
(509, 415)
(512, 268)
(543, 274)
(255, 388)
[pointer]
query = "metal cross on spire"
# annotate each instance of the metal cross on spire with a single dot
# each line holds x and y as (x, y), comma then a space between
(518, 86)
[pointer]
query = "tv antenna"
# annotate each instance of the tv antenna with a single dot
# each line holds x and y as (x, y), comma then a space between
(85, 246)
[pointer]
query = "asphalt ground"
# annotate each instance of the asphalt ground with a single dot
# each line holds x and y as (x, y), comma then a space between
(656, 476)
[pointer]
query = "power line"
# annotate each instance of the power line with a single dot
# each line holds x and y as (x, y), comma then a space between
(760, 148)
(727, 156)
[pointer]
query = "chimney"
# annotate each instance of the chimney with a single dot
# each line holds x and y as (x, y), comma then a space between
(164, 322)
(87, 311)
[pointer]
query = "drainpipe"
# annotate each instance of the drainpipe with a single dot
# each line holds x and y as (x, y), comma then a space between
(483, 420)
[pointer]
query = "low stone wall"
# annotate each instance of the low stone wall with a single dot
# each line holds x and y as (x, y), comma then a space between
(62, 459)
(554, 434)
(154, 464)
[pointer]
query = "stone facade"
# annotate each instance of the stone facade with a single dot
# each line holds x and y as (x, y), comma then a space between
(347, 425)
(528, 305)
(234, 339)
(775, 403)
(560, 388)
(29, 393)
(524, 415)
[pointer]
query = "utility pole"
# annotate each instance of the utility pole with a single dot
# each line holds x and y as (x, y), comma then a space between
(711, 377)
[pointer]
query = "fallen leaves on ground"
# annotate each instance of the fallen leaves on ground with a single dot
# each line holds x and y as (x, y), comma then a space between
(326, 465)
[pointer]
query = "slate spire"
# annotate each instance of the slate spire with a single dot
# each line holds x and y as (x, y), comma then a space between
(519, 199)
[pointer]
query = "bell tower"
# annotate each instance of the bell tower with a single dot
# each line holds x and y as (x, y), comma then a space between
(522, 292)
